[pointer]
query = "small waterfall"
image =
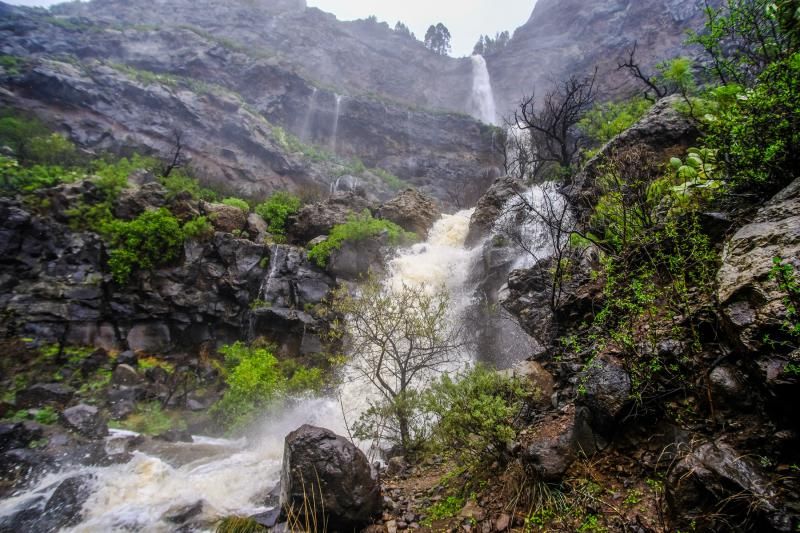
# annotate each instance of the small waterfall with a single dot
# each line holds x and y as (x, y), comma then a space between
(335, 129)
(483, 104)
(305, 133)
(344, 183)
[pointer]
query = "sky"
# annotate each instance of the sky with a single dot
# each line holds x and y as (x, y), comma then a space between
(466, 19)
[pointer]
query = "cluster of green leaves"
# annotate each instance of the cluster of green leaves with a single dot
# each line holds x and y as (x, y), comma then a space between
(474, 414)
(758, 131)
(179, 182)
(605, 121)
(149, 418)
(277, 209)
(237, 203)
(256, 381)
(358, 228)
(444, 509)
(153, 238)
(198, 228)
(11, 64)
(788, 282)
(293, 144)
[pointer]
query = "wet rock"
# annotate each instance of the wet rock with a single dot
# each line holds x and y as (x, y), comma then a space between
(133, 201)
(318, 219)
(269, 518)
(18, 435)
(396, 466)
(412, 211)
(751, 301)
(714, 479)
(256, 227)
(490, 207)
(43, 394)
(150, 337)
(96, 360)
(551, 446)
(65, 506)
(18, 464)
(354, 260)
(125, 375)
(316, 459)
(175, 435)
(225, 218)
(122, 400)
(184, 513)
(726, 382)
(86, 420)
(128, 357)
(608, 388)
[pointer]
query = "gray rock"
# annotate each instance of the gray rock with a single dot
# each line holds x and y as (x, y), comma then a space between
(490, 207)
(608, 389)
(18, 435)
(125, 375)
(412, 211)
(552, 445)
(65, 506)
(135, 200)
(318, 219)
(396, 465)
(86, 420)
(318, 460)
(43, 394)
(225, 218)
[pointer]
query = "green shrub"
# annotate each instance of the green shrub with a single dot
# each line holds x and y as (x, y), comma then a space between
(198, 228)
(11, 64)
(178, 182)
(277, 209)
(150, 419)
(238, 203)
(16, 178)
(390, 179)
(758, 136)
(606, 121)
(442, 510)
(357, 228)
(152, 239)
(47, 416)
(475, 414)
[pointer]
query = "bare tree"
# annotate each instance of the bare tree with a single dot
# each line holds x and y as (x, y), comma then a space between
(551, 124)
(400, 337)
(177, 158)
(633, 67)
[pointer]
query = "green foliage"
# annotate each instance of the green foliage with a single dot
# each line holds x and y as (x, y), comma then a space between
(444, 509)
(237, 524)
(677, 75)
(16, 178)
(591, 524)
(788, 281)
(178, 182)
(357, 228)
(475, 414)
(153, 238)
(151, 419)
(238, 203)
(199, 229)
(277, 209)
(47, 416)
(759, 134)
(390, 179)
(34, 144)
(11, 64)
(605, 121)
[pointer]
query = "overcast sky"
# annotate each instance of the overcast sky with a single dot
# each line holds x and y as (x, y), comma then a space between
(466, 19)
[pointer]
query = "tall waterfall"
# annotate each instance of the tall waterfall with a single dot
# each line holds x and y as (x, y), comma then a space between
(335, 128)
(305, 133)
(483, 104)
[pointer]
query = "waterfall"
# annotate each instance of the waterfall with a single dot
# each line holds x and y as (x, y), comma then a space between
(344, 183)
(231, 477)
(305, 133)
(335, 129)
(483, 104)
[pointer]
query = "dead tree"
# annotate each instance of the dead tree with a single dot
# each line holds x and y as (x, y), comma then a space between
(551, 123)
(632, 66)
(177, 158)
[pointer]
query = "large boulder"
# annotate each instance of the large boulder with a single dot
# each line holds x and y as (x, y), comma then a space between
(355, 259)
(317, 219)
(752, 302)
(607, 388)
(43, 394)
(319, 462)
(490, 207)
(133, 201)
(86, 420)
(225, 218)
(412, 211)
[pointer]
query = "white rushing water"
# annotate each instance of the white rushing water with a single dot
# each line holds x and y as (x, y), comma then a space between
(335, 128)
(482, 95)
(233, 477)
(305, 133)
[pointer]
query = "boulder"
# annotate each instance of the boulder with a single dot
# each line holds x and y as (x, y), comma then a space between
(65, 506)
(256, 227)
(712, 480)
(490, 207)
(553, 444)
(318, 461)
(752, 302)
(354, 260)
(86, 420)
(607, 388)
(18, 435)
(135, 200)
(225, 218)
(43, 394)
(412, 211)
(125, 375)
(317, 219)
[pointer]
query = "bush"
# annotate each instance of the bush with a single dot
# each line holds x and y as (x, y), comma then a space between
(178, 182)
(758, 135)
(357, 228)
(198, 228)
(238, 203)
(153, 238)
(606, 121)
(150, 419)
(277, 209)
(475, 414)
(16, 178)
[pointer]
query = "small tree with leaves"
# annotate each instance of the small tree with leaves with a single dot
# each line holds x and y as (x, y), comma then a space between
(403, 30)
(437, 38)
(400, 337)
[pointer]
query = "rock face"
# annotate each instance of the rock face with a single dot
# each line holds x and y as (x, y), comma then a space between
(751, 301)
(56, 286)
(490, 207)
(86, 420)
(553, 444)
(412, 211)
(318, 460)
(317, 219)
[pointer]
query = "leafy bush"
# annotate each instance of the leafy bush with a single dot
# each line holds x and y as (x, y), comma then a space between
(238, 203)
(16, 178)
(357, 228)
(606, 121)
(34, 144)
(150, 419)
(758, 135)
(475, 414)
(47, 416)
(277, 209)
(178, 182)
(11, 64)
(153, 238)
(447, 508)
(198, 228)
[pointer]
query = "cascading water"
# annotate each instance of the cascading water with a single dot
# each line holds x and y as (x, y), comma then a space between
(344, 183)
(305, 133)
(335, 128)
(232, 477)
(483, 103)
